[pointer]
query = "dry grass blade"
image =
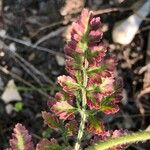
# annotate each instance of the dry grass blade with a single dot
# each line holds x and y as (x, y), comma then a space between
(50, 35)
(32, 45)
(15, 76)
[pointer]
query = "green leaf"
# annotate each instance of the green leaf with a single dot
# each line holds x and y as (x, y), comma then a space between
(79, 77)
(95, 123)
(106, 100)
(47, 133)
(18, 106)
(107, 107)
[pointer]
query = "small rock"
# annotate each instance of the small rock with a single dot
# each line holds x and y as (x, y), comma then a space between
(11, 93)
(9, 108)
(60, 60)
(3, 33)
(12, 47)
(124, 31)
(2, 54)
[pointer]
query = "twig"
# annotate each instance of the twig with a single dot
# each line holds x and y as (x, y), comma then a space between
(143, 29)
(31, 45)
(49, 35)
(33, 69)
(143, 92)
(46, 27)
(144, 68)
(4, 70)
(108, 10)
(26, 69)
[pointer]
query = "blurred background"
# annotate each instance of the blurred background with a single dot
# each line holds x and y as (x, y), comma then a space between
(32, 36)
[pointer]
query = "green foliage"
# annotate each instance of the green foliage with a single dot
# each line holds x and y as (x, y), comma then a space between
(18, 106)
(46, 133)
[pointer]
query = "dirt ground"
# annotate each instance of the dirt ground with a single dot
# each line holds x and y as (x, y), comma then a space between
(32, 54)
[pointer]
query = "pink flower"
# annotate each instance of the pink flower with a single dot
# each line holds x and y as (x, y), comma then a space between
(95, 23)
(97, 53)
(95, 35)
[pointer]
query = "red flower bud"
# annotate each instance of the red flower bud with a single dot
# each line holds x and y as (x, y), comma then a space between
(95, 23)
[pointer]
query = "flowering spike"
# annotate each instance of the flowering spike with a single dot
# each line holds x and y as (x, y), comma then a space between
(21, 140)
(91, 84)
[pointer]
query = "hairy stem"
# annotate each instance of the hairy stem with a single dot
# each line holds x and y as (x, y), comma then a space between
(83, 109)
(126, 139)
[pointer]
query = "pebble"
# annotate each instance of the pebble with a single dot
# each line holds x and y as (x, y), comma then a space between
(9, 108)
(124, 31)
(11, 92)
(60, 60)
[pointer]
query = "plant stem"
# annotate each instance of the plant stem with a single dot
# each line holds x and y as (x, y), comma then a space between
(126, 139)
(83, 109)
